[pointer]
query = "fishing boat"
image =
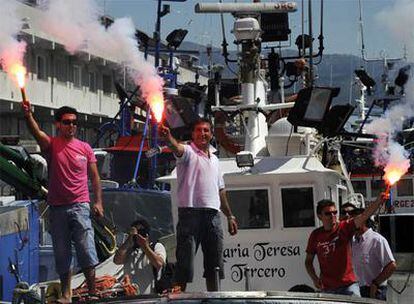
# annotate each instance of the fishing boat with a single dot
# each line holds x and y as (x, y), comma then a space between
(274, 178)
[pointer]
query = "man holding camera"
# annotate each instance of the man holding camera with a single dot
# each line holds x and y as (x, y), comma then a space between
(140, 258)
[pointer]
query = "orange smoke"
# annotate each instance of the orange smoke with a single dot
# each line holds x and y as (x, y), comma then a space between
(18, 72)
(156, 103)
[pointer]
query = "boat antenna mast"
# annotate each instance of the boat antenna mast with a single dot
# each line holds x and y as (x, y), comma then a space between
(247, 32)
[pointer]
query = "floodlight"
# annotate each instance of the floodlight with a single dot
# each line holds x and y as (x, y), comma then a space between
(336, 118)
(175, 38)
(403, 75)
(365, 79)
(166, 9)
(275, 27)
(311, 106)
(244, 159)
(142, 37)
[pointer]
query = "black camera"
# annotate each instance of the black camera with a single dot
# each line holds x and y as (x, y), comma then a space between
(143, 232)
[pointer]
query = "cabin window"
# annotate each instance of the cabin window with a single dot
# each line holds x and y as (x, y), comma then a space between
(77, 76)
(377, 186)
(251, 208)
(298, 207)
(41, 67)
(405, 187)
(360, 187)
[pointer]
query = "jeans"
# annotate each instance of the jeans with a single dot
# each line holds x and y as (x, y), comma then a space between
(350, 290)
(381, 292)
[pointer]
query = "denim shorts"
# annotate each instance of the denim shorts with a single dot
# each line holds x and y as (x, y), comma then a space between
(198, 226)
(72, 224)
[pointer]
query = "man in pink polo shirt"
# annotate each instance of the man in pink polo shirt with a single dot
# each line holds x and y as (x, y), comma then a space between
(201, 196)
(69, 162)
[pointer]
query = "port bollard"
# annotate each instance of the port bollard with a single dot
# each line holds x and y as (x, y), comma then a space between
(247, 279)
(217, 278)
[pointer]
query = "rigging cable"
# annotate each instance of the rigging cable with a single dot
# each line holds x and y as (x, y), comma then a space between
(320, 37)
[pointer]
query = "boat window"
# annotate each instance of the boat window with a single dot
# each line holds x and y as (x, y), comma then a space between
(251, 208)
(405, 187)
(360, 187)
(298, 207)
(377, 186)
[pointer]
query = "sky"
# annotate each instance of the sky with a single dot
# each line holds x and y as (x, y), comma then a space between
(341, 23)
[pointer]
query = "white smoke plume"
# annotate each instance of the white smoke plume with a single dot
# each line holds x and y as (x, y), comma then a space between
(11, 50)
(76, 25)
(389, 153)
(387, 150)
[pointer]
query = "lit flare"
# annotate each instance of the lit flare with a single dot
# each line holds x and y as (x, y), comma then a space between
(156, 103)
(393, 174)
(19, 73)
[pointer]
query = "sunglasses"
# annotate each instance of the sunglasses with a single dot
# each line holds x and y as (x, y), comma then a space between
(330, 213)
(68, 122)
(347, 212)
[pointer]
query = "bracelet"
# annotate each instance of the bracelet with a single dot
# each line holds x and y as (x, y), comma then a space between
(231, 217)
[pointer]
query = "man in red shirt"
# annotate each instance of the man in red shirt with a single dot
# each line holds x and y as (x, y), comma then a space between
(332, 245)
(69, 162)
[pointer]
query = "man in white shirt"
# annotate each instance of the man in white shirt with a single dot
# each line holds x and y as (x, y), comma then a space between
(201, 196)
(140, 258)
(373, 261)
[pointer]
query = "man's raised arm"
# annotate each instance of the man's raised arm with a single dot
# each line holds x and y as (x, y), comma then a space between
(359, 220)
(176, 147)
(41, 137)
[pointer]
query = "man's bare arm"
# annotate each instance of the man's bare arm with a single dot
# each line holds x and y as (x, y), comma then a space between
(225, 207)
(41, 137)
(359, 220)
(176, 147)
(97, 189)
(385, 273)
(311, 270)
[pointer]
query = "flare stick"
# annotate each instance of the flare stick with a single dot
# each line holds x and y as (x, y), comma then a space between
(23, 91)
